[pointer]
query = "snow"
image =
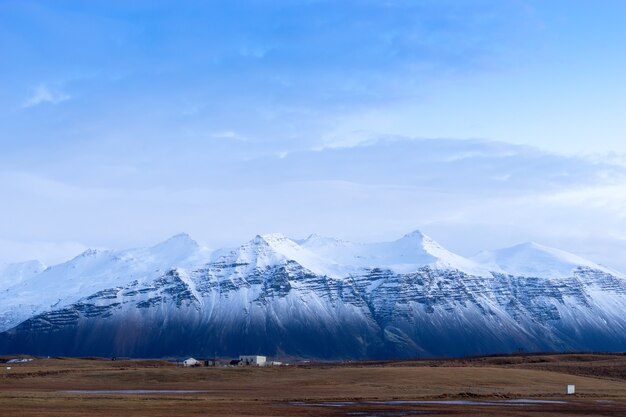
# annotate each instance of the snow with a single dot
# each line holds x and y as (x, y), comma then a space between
(27, 289)
(93, 271)
(274, 249)
(407, 254)
(290, 249)
(339, 258)
(536, 260)
(234, 286)
(184, 277)
(15, 273)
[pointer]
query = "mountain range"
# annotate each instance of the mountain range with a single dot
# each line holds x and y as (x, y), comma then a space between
(317, 297)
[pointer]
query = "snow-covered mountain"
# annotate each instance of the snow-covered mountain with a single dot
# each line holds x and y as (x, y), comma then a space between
(535, 260)
(412, 251)
(317, 297)
(93, 271)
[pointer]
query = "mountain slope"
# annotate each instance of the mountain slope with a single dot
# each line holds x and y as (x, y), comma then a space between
(533, 259)
(317, 297)
(93, 271)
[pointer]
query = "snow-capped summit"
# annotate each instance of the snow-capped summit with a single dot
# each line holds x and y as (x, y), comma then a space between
(339, 258)
(90, 253)
(315, 240)
(407, 254)
(275, 248)
(534, 259)
(178, 245)
(174, 250)
(415, 250)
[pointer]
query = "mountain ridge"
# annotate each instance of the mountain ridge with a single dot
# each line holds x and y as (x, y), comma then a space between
(316, 297)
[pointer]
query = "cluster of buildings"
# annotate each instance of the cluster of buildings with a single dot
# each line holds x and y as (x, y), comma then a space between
(244, 360)
(17, 360)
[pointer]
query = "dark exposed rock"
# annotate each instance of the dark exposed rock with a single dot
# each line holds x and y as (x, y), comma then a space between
(231, 308)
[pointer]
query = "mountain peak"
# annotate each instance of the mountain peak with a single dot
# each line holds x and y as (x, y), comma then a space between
(531, 245)
(422, 241)
(417, 249)
(407, 254)
(90, 253)
(179, 249)
(318, 240)
(415, 234)
(178, 241)
(275, 248)
(271, 237)
(181, 237)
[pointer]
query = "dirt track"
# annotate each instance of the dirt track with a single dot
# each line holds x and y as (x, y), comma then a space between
(39, 388)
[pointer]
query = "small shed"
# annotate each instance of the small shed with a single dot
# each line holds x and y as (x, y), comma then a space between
(191, 362)
(253, 360)
(570, 389)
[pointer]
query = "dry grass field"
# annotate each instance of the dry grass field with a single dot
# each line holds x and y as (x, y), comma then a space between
(492, 386)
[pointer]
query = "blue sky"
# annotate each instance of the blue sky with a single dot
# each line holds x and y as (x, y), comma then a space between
(483, 123)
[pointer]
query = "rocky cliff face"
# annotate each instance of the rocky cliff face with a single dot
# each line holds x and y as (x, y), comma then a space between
(277, 296)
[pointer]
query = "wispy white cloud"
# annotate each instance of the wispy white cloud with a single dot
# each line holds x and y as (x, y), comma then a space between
(229, 135)
(503, 177)
(465, 208)
(355, 138)
(44, 94)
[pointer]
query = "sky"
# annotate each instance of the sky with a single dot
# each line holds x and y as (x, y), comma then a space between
(483, 123)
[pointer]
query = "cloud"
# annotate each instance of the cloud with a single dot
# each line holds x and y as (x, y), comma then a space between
(44, 94)
(49, 253)
(349, 139)
(495, 196)
(229, 135)
(281, 73)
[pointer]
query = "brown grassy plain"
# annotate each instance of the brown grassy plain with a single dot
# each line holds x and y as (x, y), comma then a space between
(39, 388)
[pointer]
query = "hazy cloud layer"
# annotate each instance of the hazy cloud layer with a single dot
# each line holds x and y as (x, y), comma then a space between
(124, 122)
(470, 195)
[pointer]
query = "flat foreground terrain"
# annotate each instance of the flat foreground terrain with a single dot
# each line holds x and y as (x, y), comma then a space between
(494, 386)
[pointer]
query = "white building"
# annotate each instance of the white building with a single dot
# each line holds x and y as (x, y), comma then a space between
(191, 362)
(253, 360)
